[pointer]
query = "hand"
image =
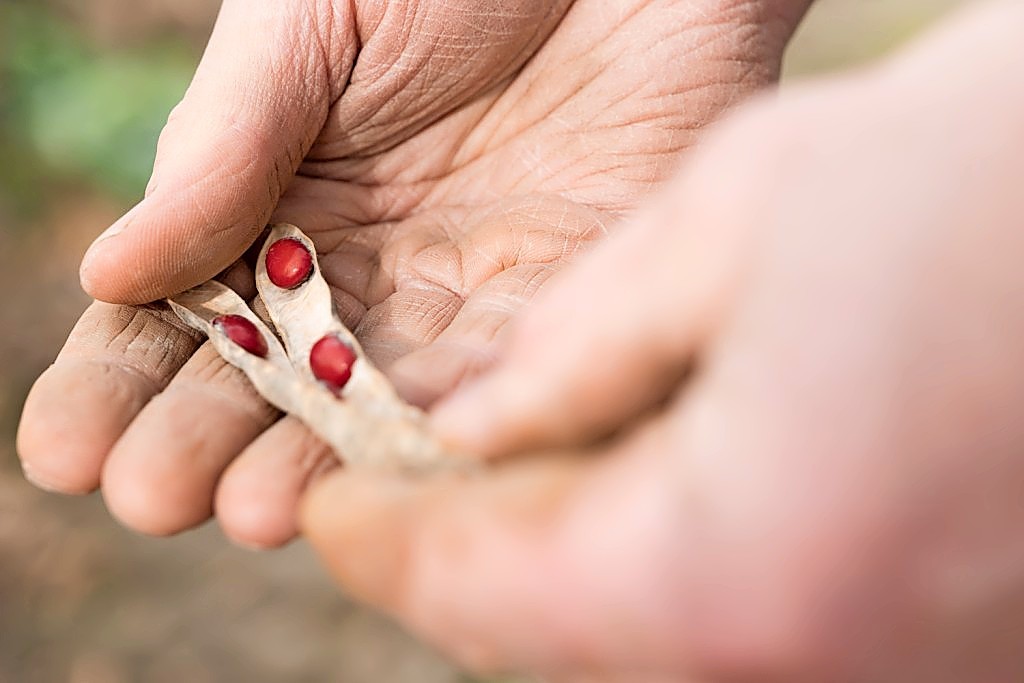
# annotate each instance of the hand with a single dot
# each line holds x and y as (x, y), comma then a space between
(445, 158)
(788, 398)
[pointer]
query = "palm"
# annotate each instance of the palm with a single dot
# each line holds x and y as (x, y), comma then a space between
(433, 229)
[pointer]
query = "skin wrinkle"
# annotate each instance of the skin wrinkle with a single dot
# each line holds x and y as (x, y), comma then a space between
(113, 365)
(259, 411)
(126, 316)
(491, 106)
(528, 173)
(274, 186)
(115, 349)
(239, 137)
(441, 315)
(506, 302)
(349, 309)
(393, 90)
(448, 136)
(145, 330)
(314, 9)
(207, 373)
(361, 294)
(491, 144)
(167, 347)
(533, 282)
(443, 257)
(329, 206)
(207, 366)
(451, 276)
(316, 463)
(522, 254)
(453, 238)
(519, 94)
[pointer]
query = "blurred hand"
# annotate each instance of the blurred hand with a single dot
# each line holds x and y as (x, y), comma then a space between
(789, 400)
(446, 157)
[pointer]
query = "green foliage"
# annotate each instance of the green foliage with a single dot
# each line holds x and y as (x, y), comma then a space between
(70, 113)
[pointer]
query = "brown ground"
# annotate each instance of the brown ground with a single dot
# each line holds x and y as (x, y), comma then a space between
(81, 599)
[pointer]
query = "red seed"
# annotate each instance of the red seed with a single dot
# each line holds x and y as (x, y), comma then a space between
(289, 263)
(331, 361)
(241, 331)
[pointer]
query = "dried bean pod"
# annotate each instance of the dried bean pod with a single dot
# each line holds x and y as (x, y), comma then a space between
(272, 374)
(362, 418)
(305, 315)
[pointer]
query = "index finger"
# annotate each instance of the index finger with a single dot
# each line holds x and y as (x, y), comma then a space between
(115, 360)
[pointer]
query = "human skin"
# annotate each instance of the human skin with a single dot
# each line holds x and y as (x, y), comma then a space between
(784, 445)
(445, 156)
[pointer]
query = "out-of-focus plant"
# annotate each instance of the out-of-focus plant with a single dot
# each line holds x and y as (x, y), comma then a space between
(71, 113)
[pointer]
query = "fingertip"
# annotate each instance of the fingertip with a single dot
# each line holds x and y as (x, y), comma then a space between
(144, 495)
(166, 250)
(344, 503)
(57, 483)
(316, 508)
(131, 503)
(95, 281)
(253, 527)
(47, 474)
(108, 275)
(250, 521)
(251, 517)
(102, 272)
(358, 524)
(495, 416)
(258, 496)
(478, 419)
(161, 477)
(72, 418)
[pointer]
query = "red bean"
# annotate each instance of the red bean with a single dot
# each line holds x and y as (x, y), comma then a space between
(289, 263)
(331, 361)
(241, 331)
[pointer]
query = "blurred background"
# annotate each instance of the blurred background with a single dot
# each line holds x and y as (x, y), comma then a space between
(85, 86)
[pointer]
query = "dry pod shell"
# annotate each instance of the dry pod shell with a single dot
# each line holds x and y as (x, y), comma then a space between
(313, 367)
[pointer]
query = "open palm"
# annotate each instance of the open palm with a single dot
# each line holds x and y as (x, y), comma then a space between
(446, 158)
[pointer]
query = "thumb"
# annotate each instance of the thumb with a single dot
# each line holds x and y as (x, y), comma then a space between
(540, 565)
(257, 102)
(616, 332)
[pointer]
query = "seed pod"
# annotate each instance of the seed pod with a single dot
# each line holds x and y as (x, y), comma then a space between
(305, 315)
(289, 263)
(216, 310)
(320, 374)
(241, 331)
